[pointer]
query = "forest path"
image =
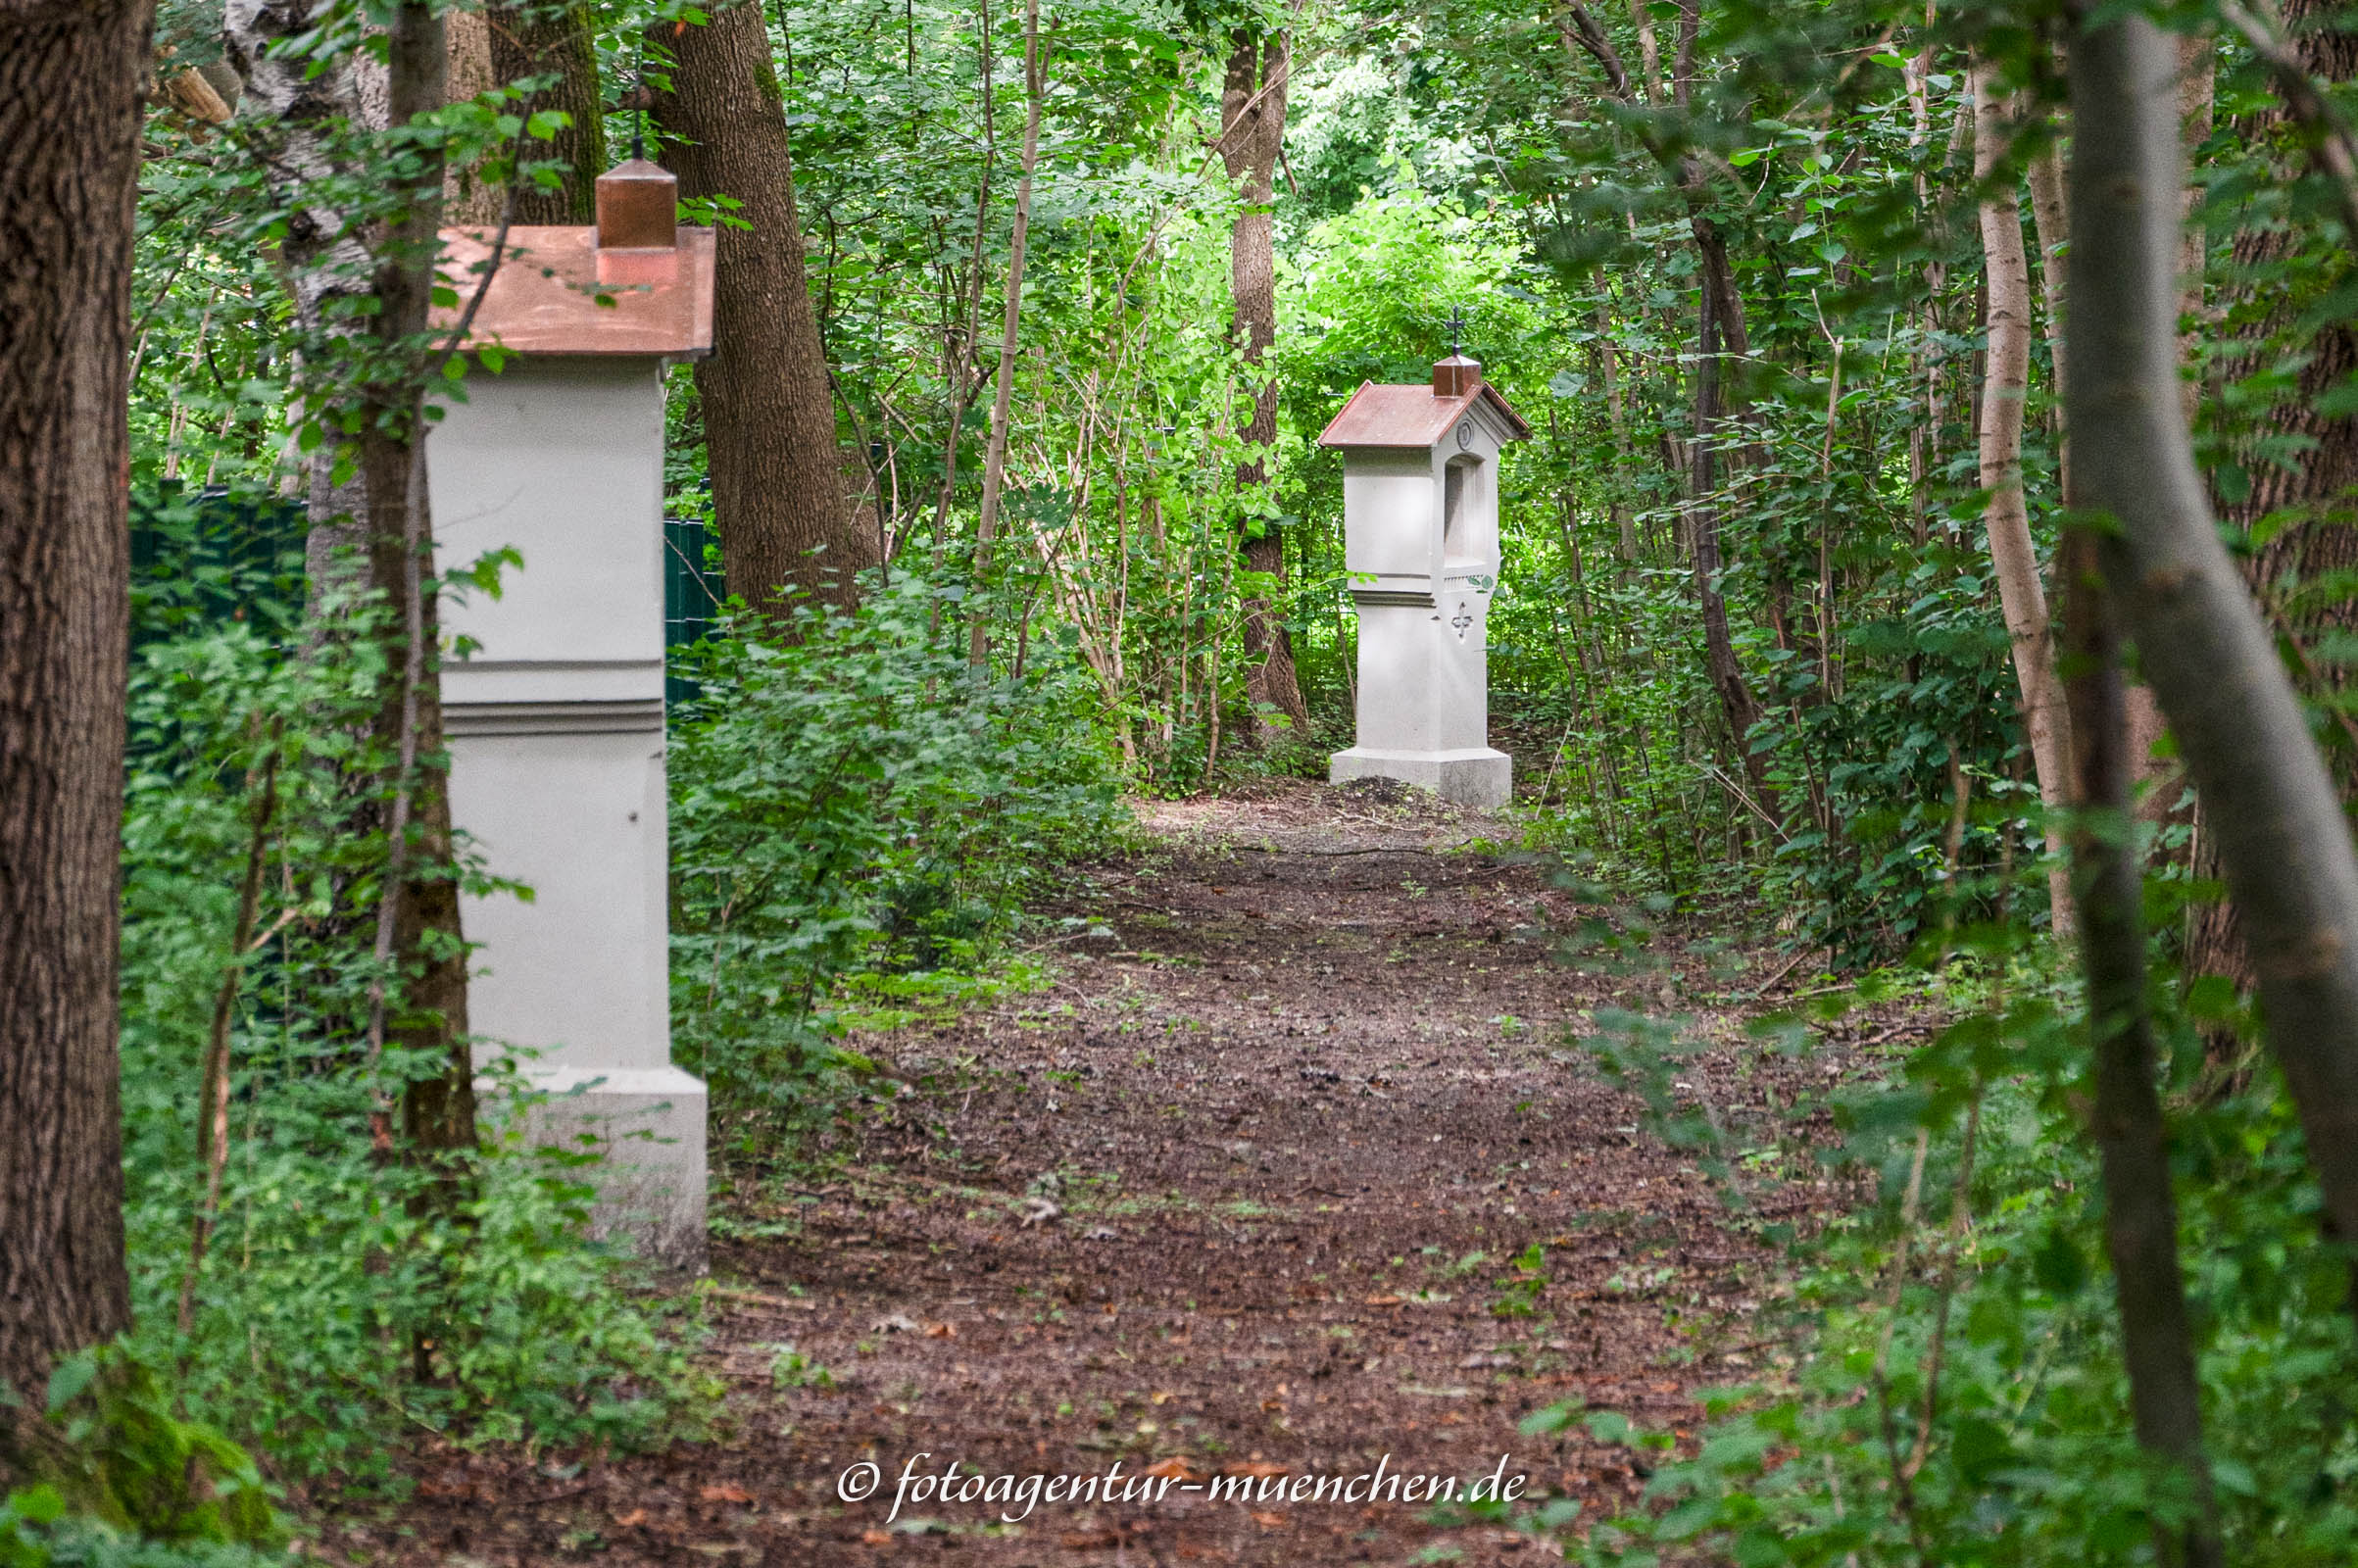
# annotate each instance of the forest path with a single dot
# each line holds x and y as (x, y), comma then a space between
(1240, 1193)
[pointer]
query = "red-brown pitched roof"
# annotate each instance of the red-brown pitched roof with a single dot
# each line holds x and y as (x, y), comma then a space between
(546, 296)
(1411, 417)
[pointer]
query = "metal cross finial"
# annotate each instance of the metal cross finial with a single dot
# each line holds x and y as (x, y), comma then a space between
(1456, 332)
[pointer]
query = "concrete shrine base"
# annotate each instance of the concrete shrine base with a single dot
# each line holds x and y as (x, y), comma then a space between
(648, 1128)
(1474, 776)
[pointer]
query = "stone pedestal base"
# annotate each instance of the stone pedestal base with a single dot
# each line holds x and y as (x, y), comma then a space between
(1475, 776)
(648, 1126)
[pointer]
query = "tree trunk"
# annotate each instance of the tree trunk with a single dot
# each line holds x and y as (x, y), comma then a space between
(2159, 783)
(2140, 1212)
(1648, 50)
(1625, 521)
(418, 920)
(1736, 697)
(70, 83)
(1253, 129)
(2014, 559)
(995, 455)
(2314, 490)
(2276, 822)
(379, 513)
(293, 117)
(536, 41)
(467, 197)
(786, 530)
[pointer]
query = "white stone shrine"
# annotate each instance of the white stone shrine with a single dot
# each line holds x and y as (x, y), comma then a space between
(555, 716)
(1420, 546)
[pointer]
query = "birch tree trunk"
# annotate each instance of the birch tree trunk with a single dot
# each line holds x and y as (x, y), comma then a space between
(325, 260)
(1253, 129)
(2013, 557)
(70, 79)
(995, 455)
(2276, 819)
(2159, 783)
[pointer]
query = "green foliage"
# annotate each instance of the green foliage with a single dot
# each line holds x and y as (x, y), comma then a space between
(1959, 1394)
(333, 1310)
(37, 1531)
(119, 1454)
(854, 799)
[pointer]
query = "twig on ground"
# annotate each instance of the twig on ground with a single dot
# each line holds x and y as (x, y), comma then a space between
(1784, 969)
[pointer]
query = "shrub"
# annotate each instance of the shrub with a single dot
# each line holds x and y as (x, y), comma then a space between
(850, 796)
(332, 1310)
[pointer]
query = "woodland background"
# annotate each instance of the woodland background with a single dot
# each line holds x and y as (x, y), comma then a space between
(1002, 500)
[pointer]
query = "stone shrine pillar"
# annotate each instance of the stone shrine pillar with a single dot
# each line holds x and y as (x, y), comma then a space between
(1420, 543)
(556, 718)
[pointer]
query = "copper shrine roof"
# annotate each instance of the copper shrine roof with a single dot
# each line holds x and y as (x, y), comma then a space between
(545, 297)
(1411, 416)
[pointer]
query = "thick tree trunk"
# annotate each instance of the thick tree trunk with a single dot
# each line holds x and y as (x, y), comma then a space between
(528, 41)
(2315, 491)
(2014, 559)
(995, 455)
(2140, 1212)
(1253, 128)
(69, 111)
(467, 197)
(2277, 820)
(786, 530)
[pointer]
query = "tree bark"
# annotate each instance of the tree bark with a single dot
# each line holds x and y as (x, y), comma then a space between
(2013, 557)
(561, 41)
(2276, 822)
(324, 259)
(995, 455)
(1736, 697)
(1648, 50)
(2312, 494)
(2159, 783)
(787, 534)
(419, 926)
(467, 197)
(2140, 1212)
(1252, 130)
(380, 513)
(70, 91)
(1625, 521)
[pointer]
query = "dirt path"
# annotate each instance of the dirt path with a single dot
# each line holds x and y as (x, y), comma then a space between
(1244, 1193)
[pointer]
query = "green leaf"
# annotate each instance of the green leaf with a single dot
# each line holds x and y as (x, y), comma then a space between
(69, 1378)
